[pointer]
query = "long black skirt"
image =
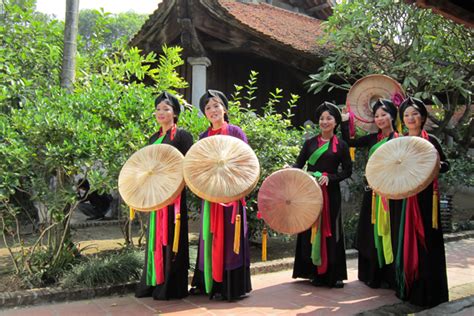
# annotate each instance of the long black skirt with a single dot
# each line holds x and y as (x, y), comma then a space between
(176, 266)
(236, 283)
(369, 270)
(431, 287)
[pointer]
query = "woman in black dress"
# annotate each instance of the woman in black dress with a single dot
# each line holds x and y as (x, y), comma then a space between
(421, 259)
(376, 248)
(165, 275)
(320, 253)
(226, 275)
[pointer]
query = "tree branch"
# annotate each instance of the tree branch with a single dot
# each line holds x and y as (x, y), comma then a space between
(4, 230)
(468, 135)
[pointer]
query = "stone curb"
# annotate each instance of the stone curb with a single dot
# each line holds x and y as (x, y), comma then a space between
(458, 236)
(54, 295)
(113, 222)
(50, 295)
(449, 308)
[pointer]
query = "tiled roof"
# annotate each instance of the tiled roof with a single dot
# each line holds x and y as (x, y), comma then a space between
(296, 30)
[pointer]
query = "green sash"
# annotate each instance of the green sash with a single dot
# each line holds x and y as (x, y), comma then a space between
(159, 140)
(207, 239)
(150, 271)
(382, 234)
(377, 145)
(317, 153)
(316, 244)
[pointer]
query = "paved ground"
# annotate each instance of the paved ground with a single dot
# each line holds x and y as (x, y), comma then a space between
(278, 294)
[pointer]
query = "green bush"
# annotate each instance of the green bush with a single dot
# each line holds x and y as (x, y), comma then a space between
(461, 170)
(350, 224)
(116, 268)
(46, 271)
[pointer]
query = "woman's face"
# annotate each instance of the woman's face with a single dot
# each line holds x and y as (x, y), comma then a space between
(412, 118)
(164, 113)
(327, 122)
(214, 111)
(383, 120)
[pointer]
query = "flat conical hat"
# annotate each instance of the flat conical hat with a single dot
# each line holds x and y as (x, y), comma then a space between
(221, 169)
(365, 92)
(402, 167)
(152, 177)
(290, 201)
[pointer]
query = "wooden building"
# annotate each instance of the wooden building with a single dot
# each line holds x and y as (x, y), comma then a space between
(224, 40)
(460, 11)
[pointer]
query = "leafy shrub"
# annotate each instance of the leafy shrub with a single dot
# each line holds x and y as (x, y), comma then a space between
(461, 170)
(46, 271)
(117, 268)
(350, 223)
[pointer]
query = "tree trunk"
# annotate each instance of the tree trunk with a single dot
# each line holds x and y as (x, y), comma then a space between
(70, 45)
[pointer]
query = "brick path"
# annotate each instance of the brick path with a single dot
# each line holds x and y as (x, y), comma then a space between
(274, 294)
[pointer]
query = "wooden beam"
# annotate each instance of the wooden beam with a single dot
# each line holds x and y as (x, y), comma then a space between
(319, 8)
(190, 39)
(154, 24)
(219, 46)
(458, 11)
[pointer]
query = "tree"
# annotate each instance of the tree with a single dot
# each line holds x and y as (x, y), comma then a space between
(53, 133)
(431, 56)
(30, 51)
(70, 45)
(102, 30)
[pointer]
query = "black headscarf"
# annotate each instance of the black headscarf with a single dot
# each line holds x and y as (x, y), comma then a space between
(417, 104)
(214, 94)
(171, 100)
(332, 109)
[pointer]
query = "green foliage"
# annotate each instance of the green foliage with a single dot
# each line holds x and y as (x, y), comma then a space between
(51, 136)
(430, 55)
(461, 171)
(30, 53)
(350, 224)
(46, 271)
(102, 34)
(117, 268)
(100, 29)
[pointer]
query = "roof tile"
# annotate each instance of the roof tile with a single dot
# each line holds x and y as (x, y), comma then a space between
(296, 30)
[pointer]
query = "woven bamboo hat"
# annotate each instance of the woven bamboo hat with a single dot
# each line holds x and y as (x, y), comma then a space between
(290, 201)
(402, 167)
(221, 169)
(366, 91)
(152, 177)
